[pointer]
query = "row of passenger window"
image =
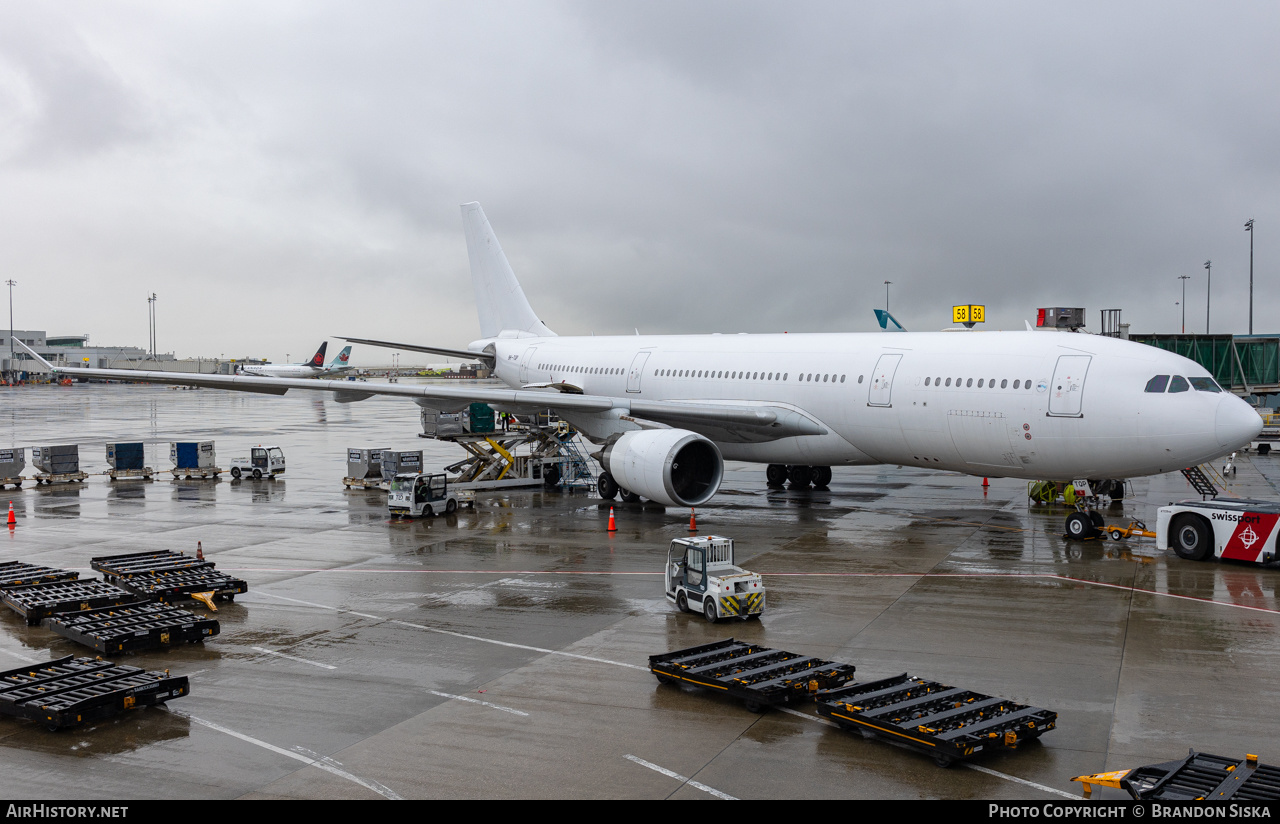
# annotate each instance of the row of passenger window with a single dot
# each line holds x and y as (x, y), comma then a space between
(584, 370)
(811, 377)
(990, 384)
(1177, 383)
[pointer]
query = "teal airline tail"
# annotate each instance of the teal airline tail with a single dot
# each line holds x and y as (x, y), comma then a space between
(340, 360)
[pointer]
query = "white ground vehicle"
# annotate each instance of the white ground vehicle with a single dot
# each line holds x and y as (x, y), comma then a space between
(1231, 528)
(701, 575)
(416, 495)
(263, 461)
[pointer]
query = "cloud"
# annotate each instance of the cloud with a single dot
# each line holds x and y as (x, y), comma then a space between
(673, 167)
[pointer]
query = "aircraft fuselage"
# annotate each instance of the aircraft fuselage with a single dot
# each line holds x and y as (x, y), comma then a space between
(1014, 404)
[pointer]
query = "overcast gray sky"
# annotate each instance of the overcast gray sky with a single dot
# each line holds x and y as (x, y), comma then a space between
(282, 172)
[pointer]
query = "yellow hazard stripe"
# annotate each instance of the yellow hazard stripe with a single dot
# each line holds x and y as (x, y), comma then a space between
(882, 729)
(690, 680)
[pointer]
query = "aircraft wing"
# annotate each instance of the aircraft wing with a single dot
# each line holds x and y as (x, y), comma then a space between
(749, 422)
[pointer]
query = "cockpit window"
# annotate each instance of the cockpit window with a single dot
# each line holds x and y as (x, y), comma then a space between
(1178, 384)
(1158, 383)
(1205, 384)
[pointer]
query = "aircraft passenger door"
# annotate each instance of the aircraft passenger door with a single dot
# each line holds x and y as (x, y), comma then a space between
(637, 370)
(882, 380)
(524, 363)
(1066, 392)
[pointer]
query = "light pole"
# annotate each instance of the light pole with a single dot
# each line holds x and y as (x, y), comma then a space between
(1208, 291)
(151, 317)
(11, 283)
(886, 296)
(1184, 279)
(1248, 227)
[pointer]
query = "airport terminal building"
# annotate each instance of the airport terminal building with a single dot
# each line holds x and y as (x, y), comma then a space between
(75, 351)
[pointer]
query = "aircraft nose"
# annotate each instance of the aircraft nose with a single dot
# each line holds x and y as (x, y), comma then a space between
(1236, 423)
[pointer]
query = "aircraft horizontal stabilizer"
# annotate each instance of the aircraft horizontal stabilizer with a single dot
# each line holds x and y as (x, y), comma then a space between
(458, 354)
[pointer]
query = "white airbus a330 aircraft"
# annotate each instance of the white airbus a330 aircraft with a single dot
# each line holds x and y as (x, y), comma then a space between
(668, 410)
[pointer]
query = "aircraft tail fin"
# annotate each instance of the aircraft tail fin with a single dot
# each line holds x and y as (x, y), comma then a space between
(499, 299)
(340, 359)
(318, 358)
(888, 322)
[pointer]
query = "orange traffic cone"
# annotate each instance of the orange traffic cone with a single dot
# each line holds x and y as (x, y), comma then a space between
(693, 521)
(985, 483)
(199, 550)
(12, 520)
(613, 526)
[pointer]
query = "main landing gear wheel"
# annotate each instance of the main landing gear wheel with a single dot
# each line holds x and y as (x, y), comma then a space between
(709, 609)
(775, 475)
(607, 486)
(800, 476)
(821, 476)
(1190, 537)
(629, 497)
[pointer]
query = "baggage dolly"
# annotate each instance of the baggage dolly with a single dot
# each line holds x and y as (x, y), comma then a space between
(117, 567)
(38, 601)
(170, 577)
(70, 690)
(944, 722)
(133, 627)
(1198, 777)
(50, 478)
(144, 474)
(760, 677)
(18, 574)
(204, 585)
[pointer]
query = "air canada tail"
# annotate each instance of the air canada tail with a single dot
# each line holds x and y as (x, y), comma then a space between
(318, 358)
(340, 360)
(500, 301)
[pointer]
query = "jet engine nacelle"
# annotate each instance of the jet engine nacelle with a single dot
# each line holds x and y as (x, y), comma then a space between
(674, 467)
